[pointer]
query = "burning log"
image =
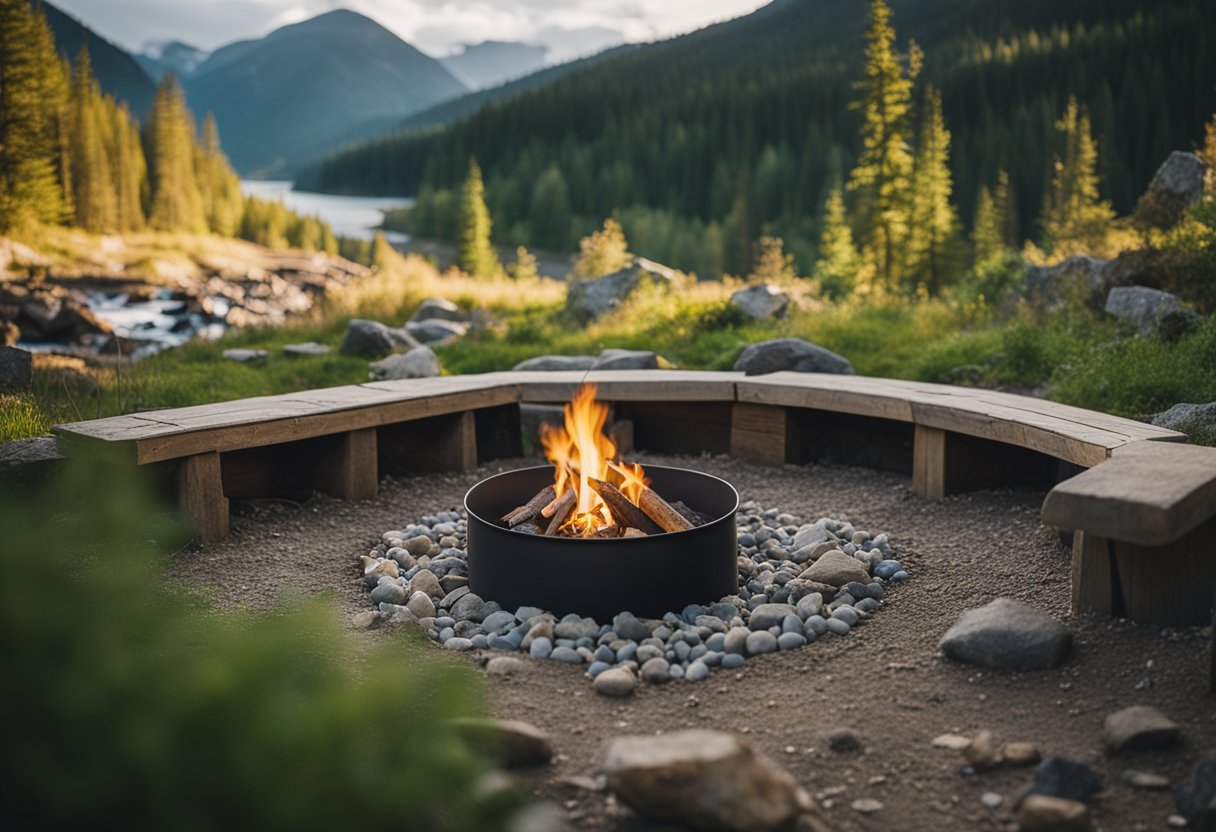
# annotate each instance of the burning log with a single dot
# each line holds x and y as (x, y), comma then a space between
(691, 514)
(562, 507)
(531, 508)
(558, 503)
(660, 511)
(625, 512)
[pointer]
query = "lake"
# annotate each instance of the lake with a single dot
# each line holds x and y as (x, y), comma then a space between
(348, 216)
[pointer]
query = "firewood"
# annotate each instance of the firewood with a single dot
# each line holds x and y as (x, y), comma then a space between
(564, 507)
(531, 508)
(608, 531)
(625, 512)
(661, 512)
(526, 528)
(691, 514)
(634, 533)
(555, 505)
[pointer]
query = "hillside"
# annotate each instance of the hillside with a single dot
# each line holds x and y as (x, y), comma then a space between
(309, 87)
(117, 71)
(754, 113)
(181, 59)
(493, 62)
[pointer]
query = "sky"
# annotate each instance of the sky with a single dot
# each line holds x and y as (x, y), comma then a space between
(437, 27)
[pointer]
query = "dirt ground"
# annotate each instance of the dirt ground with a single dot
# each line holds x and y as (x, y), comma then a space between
(885, 681)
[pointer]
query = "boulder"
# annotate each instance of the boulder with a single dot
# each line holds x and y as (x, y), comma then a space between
(1144, 308)
(1196, 798)
(16, 368)
(516, 744)
(703, 780)
(790, 354)
(1008, 636)
(420, 362)
(762, 301)
(1138, 728)
(1039, 813)
(836, 569)
(436, 331)
(1198, 421)
(440, 309)
(309, 348)
(1066, 778)
(614, 359)
(243, 356)
(594, 298)
(1176, 186)
(556, 363)
(372, 339)
(616, 682)
(1080, 276)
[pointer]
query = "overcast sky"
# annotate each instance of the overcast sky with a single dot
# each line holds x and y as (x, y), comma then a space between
(437, 27)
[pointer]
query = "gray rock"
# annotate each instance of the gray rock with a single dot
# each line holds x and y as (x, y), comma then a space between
(1064, 777)
(421, 605)
(420, 362)
(616, 681)
(365, 620)
(1138, 728)
(243, 356)
(1144, 308)
(16, 368)
(467, 606)
(1196, 798)
(440, 309)
(1176, 186)
(541, 629)
(566, 654)
(656, 671)
(760, 642)
(372, 339)
(790, 641)
(812, 534)
(809, 605)
(308, 348)
(1006, 635)
(703, 780)
(697, 671)
(835, 568)
(498, 622)
(513, 743)
(1053, 286)
(458, 643)
(630, 627)
(418, 545)
(435, 331)
(761, 302)
(591, 299)
(575, 627)
(736, 639)
(1198, 421)
(556, 363)
(390, 593)
(792, 354)
(769, 615)
(505, 666)
(616, 359)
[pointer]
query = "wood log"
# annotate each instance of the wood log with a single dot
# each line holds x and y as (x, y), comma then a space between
(625, 512)
(693, 516)
(564, 507)
(555, 505)
(661, 512)
(608, 531)
(531, 508)
(634, 533)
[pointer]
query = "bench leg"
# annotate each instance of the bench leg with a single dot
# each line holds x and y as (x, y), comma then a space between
(1091, 576)
(944, 463)
(202, 497)
(350, 470)
(758, 433)
(929, 463)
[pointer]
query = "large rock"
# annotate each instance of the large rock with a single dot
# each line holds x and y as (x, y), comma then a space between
(420, 362)
(1198, 421)
(615, 359)
(835, 568)
(16, 368)
(1176, 186)
(762, 301)
(790, 354)
(591, 299)
(1144, 308)
(1196, 798)
(436, 331)
(372, 339)
(1082, 277)
(556, 363)
(1138, 728)
(1006, 635)
(703, 780)
(515, 743)
(440, 309)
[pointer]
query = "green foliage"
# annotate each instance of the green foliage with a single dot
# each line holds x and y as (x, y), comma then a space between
(838, 263)
(164, 713)
(21, 418)
(773, 264)
(986, 242)
(603, 252)
(1075, 217)
(177, 201)
(382, 253)
(474, 251)
(994, 279)
(934, 246)
(524, 267)
(219, 184)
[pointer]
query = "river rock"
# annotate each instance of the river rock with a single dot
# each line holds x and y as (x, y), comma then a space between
(1144, 308)
(836, 569)
(616, 359)
(1196, 798)
(616, 682)
(761, 302)
(1059, 776)
(505, 666)
(305, 350)
(16, 368)
(436, 331)
(1176, 186)
(390, 593)
(420, 362)
(594, 298)
(440, 309)
(628, 626)
(575, 627)
(1007, 635)
(425, 581)
(1138, 728)
(703, 780)
(1039, 813)
(556, 363)
(769, 615)
(372, 339)
(516, 744)
(790, 354)
(421, 605)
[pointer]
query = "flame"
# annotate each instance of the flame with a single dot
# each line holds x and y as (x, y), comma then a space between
(580, 451)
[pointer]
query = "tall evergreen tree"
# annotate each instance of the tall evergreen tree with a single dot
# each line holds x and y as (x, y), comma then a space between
(883, 173)
(31, 120)
(1075, 217)
(1208, 154)
(177, 202)
(474, 251)
(836, 268)
(987, 242)
(93, 191)
(220, 186)
(772, 264)
(603, 252)
(1004, 202)
(130, 169)
(932, 240)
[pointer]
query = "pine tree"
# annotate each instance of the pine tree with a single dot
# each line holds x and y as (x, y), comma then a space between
(130, 169)
(932, 241)
(524, 267)
(1075, 218)
(219, 185)
(474, 251)
(1005, 205)
(836, 268)
(987, 244)
(177, 202)
(93, 191)
(32, 120)
(1208, 154)
(772, 264)
(603, 252)
(883, 173)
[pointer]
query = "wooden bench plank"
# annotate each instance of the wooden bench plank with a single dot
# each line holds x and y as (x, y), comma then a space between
(1148, 493)
(624, 385)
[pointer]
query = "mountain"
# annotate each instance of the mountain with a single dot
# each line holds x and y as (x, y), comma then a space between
(736, 129)
(309, 87)
(117, 71)
(494, 62)
(160, 57)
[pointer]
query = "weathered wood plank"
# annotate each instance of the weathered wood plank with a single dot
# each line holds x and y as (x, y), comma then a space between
(1171, 584)
(351, 470)
(1149, 494)
(446, 442)
(1092, 579)
(625, 385)
(758, 433)
(929, 463)
(201, 492)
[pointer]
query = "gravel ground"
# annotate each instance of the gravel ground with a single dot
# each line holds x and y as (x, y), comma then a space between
(885, 681)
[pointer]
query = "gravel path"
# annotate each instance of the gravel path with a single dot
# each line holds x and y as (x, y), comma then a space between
(885, 682)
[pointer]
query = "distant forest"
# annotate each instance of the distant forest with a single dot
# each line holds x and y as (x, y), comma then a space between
(703, 144)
